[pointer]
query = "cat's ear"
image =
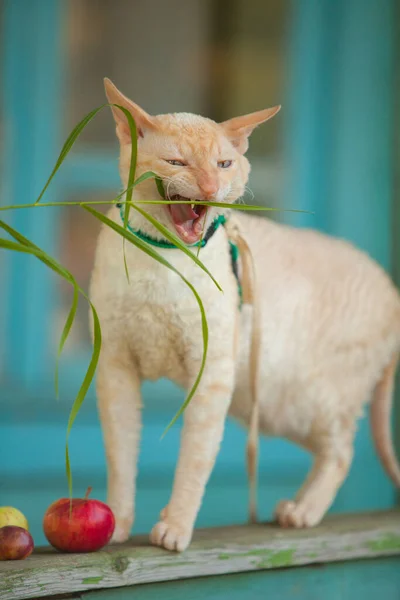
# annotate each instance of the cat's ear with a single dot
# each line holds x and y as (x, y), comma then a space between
(238, 129)
(143, 120)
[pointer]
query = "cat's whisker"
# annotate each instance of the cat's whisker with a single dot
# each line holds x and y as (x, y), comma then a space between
(234, 197)
(168, 186)
(174, 181)
(250, 191)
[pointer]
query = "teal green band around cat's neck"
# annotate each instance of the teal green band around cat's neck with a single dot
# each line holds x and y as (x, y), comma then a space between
(220, 220)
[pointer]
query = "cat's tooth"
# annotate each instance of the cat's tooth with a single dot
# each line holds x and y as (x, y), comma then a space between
(192, 206)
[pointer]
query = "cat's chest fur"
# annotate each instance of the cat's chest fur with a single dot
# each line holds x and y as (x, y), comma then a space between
(155, 339)
(156, 313)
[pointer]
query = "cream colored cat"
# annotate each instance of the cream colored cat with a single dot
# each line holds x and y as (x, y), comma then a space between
(329, 328)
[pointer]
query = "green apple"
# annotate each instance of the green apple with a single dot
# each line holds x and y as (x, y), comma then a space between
(12, 516)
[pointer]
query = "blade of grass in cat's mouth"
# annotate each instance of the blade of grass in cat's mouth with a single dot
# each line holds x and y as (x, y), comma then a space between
(188, 219)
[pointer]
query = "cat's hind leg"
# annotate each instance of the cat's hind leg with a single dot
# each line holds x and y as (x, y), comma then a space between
(333, 455)
(317, 493)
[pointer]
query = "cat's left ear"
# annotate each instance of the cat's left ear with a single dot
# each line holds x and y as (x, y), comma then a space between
(239, 128)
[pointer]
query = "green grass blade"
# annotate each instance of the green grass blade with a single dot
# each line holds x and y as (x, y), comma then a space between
(171, 237)
(90, 373)
(160, 187)
(68, 145)
(131, 176)
(143, 177)
(64, 336)
(204, 329)
(18, 247)
(132, 167)
(118, 199)
(161, 191)
(61, 271)
(27, 247)
(76, 133)
(125, 262)
(240, 207)
(133, 161)
(23, 240)
(252, 207)
(163, 230)
(234, 206)
(202, 233)
(151, 252)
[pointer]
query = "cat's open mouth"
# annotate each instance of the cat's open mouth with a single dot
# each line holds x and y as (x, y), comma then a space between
(188, 219)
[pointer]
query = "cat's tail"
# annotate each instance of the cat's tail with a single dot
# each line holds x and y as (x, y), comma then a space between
(381, 409)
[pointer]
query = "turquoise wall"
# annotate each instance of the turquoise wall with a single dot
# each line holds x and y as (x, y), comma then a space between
(339, 122)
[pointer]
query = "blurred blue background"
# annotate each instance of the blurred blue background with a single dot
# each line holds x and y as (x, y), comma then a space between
(334, 67)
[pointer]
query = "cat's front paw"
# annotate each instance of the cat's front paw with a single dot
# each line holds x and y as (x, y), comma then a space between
(122, 530)
(297, 514)
(171, 536)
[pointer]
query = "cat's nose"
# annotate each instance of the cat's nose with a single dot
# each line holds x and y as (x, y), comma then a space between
(208, 190)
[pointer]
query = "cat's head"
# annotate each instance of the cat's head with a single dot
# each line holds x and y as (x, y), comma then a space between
(196, 158)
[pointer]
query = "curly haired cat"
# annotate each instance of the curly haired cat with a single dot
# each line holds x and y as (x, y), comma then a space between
(329, 327)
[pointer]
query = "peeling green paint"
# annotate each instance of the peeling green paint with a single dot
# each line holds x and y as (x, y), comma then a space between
(385, 543)
(89, 580)
(362, 537)
(268, 559)
(283, 558)
(324, 545)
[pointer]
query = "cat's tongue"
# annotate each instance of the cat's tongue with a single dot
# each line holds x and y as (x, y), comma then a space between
(182, 213)
(187, 221)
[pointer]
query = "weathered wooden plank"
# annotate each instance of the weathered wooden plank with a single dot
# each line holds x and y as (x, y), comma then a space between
(213, 552)
(365, 579)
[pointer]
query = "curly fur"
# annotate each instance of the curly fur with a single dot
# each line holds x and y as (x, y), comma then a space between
(330, 331)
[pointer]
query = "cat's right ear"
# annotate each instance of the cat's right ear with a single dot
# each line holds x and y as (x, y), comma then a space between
(143, 120)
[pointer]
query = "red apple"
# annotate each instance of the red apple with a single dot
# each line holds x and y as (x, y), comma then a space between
(78, 525)
(16, 543)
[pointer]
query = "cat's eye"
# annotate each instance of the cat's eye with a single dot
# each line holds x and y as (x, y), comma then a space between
(176, 163)
(224, 164)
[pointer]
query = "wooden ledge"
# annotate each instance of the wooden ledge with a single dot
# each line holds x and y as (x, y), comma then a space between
(216, 551)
